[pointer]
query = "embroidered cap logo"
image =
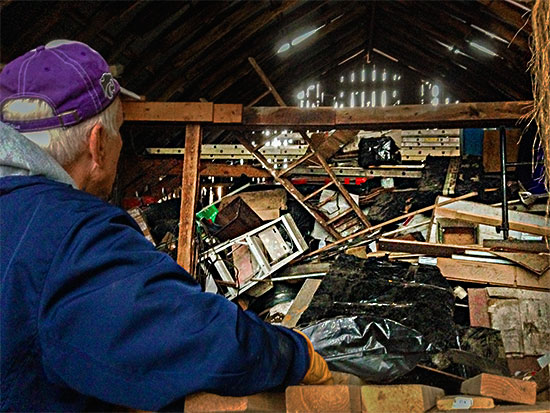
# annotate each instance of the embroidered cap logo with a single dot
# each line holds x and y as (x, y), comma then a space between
(108, 85)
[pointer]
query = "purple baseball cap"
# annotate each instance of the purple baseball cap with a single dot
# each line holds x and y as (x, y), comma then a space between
(71, 77)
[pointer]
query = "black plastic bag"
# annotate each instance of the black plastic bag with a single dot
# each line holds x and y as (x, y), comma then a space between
(375, 349)
(378, 151)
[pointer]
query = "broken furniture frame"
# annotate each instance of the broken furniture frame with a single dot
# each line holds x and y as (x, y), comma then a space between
(270, 247)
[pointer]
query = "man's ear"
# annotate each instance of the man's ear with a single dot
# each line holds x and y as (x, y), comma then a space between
(97, 143)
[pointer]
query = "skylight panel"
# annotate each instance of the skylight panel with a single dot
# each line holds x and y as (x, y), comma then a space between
(297, 40)
(304, 36)
(284, 48)
(482, 49)
(488, 33)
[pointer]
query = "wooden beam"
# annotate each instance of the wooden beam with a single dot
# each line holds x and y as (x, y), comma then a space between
(479, 114)
(399, 398)
(468, 402)
(189, 196)
(402, 116)
(414, 116)
(488, 215)
(168, 111)
(501, 388)
(217, 169)
(428, 248)
(228, 113)
(301, 302)
(492, 274)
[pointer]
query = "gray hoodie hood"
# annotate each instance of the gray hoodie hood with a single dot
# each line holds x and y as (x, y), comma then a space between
(21, 156)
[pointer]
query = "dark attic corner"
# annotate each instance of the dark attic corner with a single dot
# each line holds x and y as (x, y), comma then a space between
(307, 206)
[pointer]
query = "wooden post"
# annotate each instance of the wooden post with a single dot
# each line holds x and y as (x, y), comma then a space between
(189, 197)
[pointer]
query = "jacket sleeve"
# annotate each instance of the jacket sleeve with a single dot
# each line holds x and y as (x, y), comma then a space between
(124, 323)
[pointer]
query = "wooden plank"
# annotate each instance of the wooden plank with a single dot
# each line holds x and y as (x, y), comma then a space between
(288, 116)
(314, 399)
(523, 317)
(218, 169)
(501, 388)
(478, 307)
(413, 116)
(399, 398)
(228, 113)
(542, 378)
(189, 197)
(488, 215)
(309, 268)
(491, 148)
(428, 248)
(537, 263)
(403, 116)
(168, 111)
(301, 302)
(541, 407)
(430, 376)
(459, 235)
(516, 245)
(212, 403)
(478, 362)
(492, 274)
(465, 402)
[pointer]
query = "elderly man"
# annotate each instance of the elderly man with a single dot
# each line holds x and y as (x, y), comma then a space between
(92, 315)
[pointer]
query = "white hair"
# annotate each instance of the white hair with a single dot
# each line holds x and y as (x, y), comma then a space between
(64, 144)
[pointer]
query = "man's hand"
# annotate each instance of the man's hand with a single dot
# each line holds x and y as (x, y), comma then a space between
(318, 372)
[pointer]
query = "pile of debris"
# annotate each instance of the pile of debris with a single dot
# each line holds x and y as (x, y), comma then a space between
(397, 280)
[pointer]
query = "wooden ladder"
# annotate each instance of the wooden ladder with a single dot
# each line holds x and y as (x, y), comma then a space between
(307, 201)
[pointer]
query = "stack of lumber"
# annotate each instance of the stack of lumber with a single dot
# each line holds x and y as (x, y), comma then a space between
(485, 392)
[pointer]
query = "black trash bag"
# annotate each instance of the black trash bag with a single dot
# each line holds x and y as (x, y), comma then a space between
(376, 349)
(378, 151)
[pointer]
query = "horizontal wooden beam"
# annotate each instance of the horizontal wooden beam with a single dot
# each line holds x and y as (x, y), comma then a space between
(187, 112)
(402, 116)
(480, 114)
(488, 215)
(492, 274)
(216, 169)
(191, 112)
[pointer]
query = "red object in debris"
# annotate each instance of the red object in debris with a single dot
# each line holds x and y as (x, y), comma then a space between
(129, 203)
(147, 200)
(299, 181)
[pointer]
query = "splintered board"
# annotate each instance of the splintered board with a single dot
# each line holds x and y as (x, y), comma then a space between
(399, 398)
(501, 388)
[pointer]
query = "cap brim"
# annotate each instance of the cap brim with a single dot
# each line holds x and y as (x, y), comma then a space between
(130, 94)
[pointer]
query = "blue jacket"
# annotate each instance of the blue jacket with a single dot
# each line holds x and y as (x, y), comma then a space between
(92, 313)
